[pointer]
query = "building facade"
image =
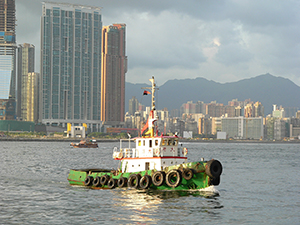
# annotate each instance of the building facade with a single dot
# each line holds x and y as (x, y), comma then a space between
(25, 66)
(133, 105)
(114, 67)
(32, 100)
(243, 127)
(7, 49)
(70, 65)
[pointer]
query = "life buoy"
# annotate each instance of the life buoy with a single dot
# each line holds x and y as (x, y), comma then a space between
(127, 154)
(187, 174)
(88, 181)
(145, 182)
(134, 180)
(157, 151)
(184, 151)
(158, 178)
(122, 182)
(173, 178)
(213, 168)
(96, 181)
(111, 183)
(104, 179)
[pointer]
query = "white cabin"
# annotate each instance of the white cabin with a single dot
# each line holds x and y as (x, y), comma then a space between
(150, 153)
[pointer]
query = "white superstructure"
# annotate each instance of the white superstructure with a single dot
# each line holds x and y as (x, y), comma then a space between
(150, 153)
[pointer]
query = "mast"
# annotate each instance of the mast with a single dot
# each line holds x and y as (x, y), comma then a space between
(151, 118)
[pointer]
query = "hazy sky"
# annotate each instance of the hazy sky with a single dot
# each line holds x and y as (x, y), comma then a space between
(220, 40)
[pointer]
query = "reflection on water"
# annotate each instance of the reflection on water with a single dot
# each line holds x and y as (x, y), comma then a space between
(150, 205)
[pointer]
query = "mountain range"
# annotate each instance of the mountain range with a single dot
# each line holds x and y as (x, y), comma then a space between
(267, 89)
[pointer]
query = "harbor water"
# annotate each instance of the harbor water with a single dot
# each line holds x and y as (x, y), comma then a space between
(260, 184)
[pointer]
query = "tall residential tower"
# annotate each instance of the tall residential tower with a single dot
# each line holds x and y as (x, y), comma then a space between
(25, 66)
(114, 67)
(8, 57)
(70, 64)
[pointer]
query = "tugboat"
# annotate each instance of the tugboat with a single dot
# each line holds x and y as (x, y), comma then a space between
(155, 162)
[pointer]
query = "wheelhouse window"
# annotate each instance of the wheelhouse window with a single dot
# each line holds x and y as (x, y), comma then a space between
(175, 142)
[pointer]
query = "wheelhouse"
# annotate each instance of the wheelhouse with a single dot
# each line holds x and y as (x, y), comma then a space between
(149, 153)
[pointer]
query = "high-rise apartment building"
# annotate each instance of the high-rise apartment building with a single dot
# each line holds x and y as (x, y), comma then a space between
(114, 67)
(7, 49)
(25, 66)
(133, 105)
(32, 104)
(71, 64)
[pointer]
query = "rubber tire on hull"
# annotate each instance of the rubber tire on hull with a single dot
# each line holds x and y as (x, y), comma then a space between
(104, 179)
(134, 180)
(122, 182)
(112, 183)
(173, 178)
(213, 168)
(214, 181)
(145, 182)
(96, 181)
(158, 178)
(187, 174)
(88, 181)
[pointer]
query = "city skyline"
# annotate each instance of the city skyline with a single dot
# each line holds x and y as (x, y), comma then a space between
(224, 42)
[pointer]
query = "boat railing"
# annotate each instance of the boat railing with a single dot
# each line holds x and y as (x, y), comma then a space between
(153, 152)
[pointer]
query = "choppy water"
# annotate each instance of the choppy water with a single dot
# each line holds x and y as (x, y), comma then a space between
(260, 184)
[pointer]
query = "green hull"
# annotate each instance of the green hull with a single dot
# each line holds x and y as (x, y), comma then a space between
(204, 174)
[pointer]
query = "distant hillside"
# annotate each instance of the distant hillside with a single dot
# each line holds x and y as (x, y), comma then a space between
(266, 89)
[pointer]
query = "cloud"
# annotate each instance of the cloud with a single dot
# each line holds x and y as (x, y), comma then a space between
(224, 41)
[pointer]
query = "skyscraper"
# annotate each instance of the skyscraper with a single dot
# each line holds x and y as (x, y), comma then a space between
(70, 64)
(32, 97)
(7, 49)
(133, 105)
(114, 67)
(25, 66)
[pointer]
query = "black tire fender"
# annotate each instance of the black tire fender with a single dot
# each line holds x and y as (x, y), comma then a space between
(88, 181)
(187, 173)
(104, 179)
(122, 182)
(158, 178)
(112, 183)
(96, 181)
(214, 181)
(173, 178)
(134, 180)
(145, 182)
(213, 168)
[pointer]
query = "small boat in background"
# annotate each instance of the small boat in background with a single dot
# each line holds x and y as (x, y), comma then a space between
(85, 144)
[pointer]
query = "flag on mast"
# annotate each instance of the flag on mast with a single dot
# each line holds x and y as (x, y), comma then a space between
(146, 93)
